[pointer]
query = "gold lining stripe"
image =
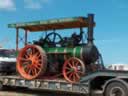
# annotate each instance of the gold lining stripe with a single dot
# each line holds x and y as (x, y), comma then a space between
(81, 53)
(65, 50)
(74, 51)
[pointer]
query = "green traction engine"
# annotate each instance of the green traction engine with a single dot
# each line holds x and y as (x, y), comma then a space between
(56, 56)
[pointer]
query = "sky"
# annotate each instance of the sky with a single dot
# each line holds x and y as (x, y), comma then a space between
(111, 17)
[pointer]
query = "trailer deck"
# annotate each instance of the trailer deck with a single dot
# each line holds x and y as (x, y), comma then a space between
(105, 73)
(60, 85)
(49, 85)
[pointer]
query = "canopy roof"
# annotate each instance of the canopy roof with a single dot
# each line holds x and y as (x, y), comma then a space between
(45, 25)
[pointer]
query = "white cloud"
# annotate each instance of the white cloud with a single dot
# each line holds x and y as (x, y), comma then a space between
(7, 5)
(35, 4)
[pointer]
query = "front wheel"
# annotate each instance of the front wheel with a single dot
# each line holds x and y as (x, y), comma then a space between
(73, 69)
(116, 89)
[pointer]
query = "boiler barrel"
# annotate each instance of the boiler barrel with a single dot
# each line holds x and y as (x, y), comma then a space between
(73, 52)
(86, 53)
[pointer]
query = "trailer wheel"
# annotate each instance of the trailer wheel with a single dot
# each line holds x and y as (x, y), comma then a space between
(31, 62)
(116, 89)
(1, 85)
(73, 69)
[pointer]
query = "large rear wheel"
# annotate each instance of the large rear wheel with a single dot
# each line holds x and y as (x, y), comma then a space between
(31, 62)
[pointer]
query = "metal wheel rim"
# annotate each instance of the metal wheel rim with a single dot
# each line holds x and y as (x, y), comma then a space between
(117, 91)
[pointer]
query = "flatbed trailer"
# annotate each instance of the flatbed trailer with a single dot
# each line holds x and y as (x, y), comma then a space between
(100, 82)
(96, 78)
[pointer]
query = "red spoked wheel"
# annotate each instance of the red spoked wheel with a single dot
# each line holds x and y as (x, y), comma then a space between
(73, 69)
(31, 62)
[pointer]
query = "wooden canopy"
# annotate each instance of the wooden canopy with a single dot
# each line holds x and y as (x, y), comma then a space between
(63, 23)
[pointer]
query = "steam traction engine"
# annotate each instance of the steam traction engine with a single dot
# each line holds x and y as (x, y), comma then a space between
(57, 56)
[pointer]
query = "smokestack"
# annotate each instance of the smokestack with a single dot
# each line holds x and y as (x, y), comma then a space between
(90, 28)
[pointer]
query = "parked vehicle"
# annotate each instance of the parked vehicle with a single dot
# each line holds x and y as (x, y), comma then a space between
(7, 61)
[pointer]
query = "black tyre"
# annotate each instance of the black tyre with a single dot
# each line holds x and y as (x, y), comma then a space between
(1, 85)
(116, 89)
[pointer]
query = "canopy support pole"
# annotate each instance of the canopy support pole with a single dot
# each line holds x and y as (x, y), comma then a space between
(17, 38)
(26, 37)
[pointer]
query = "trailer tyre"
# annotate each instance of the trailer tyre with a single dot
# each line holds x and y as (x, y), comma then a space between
(1, 85)
(116, 89)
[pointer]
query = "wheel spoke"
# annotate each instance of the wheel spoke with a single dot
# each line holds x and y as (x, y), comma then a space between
(77, 76)
(69, 72)
(23, 59)
(70, 64)
(76, 63)
(38, 64)
(37, 67)
(70, 76)
(29, 71)
(26, 55)
(74, 77)
(33, 51)
(37, 55)
(34, 72)
(68, 68)
(49, 40)
(54, 37)
(25, 63)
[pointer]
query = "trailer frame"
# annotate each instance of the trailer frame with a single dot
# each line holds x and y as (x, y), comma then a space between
(87, 85)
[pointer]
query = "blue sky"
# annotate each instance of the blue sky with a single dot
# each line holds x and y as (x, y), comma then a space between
(111, 17)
